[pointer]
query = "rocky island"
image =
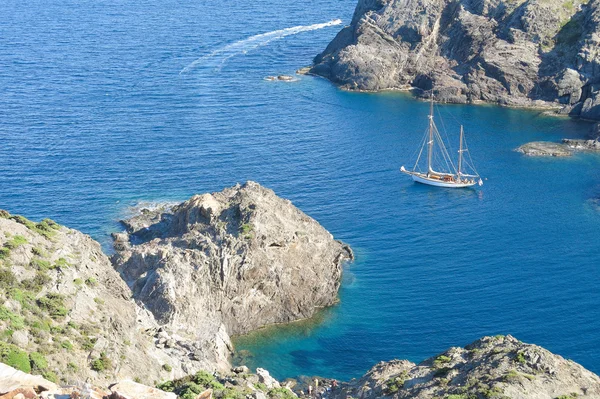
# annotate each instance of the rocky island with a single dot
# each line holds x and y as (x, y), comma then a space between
(154, 322)
(525, 53)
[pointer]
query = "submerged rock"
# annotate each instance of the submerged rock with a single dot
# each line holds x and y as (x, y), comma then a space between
(545, 149)
(519, 53)
(228, 263)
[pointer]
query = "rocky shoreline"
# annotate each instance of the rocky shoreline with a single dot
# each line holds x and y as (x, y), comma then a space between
(155, 321)
(499, 367)
(530, 54)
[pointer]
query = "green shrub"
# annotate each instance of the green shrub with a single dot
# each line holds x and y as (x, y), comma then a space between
(53, 304)
(4, 253)
(167, 368)
(393, 385)
(78, 282)
(203, 378)
(99, 301)
(246, 228)
(102, 363)
(61, 263)
(14, 357)
(167, 386)
(7, 278)
(40, 264)
(441, 360)
(15, 242)
(91, 281)
(261, 386)
(16, 321)
(50, 376)
(37, 283)
(572, 395)
(38, 362)
(520, 358)
(278, 393)
(511, 376)
(72, 367)
(66, 344)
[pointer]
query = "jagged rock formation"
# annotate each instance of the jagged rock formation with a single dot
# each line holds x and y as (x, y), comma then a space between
(545, 149)
(228, 263)
(65, 311)
(512, 52)
(492, 367)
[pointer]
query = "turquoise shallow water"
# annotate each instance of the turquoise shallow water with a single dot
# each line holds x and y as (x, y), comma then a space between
(96, 115)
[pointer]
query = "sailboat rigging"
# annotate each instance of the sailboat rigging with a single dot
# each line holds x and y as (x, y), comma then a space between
(451, 177)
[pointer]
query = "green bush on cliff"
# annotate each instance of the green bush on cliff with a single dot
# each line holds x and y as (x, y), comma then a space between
(53, 303)
(4, 253)
(15, 242)
(16, 321)
(14, 357)
(38, 362)
(281, 393)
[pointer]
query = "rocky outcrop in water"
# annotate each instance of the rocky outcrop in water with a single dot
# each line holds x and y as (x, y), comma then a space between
(517, 53)
(492, 367)
(582, 145)
(545, 149)
(228, 263)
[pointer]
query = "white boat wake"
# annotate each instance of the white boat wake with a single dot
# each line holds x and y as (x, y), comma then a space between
(253, 42)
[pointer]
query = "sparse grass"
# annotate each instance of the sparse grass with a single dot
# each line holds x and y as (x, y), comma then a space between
(15, 242)
(16, 322)
(91, 282)
(441, 360)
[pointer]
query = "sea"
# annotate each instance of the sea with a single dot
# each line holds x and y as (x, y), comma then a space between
(108, 105)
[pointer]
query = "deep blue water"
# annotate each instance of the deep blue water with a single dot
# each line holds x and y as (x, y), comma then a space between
(96, 115)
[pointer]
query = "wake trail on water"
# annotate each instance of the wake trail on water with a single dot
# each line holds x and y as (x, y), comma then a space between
(253, 42)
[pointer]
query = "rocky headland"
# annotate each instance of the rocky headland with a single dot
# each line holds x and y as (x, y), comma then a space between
(525, 53)
(156, 322)
(499, 367)
(184, 279)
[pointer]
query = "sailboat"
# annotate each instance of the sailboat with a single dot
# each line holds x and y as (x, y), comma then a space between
(445, 174)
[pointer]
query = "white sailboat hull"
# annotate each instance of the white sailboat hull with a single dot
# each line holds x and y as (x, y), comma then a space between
(423, 179)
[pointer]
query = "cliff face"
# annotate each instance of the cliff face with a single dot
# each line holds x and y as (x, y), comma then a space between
(512, 52)
(228, 263)
(492, 367)
(64, 310)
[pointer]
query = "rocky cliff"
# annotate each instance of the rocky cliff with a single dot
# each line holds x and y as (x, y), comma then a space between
(228, 263)
(64, 310)
(510, 52)
(490, 368)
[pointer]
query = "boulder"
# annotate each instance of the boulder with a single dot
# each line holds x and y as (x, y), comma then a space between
(12, 379)
(265, 378)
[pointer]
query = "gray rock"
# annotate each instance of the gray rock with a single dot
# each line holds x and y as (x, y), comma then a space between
(228, 263)
(545, 149)
(535, 53)
(501, 367)
(265, 378)
(583, 145)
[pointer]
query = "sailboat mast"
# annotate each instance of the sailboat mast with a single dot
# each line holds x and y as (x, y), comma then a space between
(460, 151)
(430, 143)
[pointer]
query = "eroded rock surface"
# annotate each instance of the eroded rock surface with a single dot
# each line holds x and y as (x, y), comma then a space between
(68, 314)
(228, 263)
(492, 367)
(518, 53)
(545, 149)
